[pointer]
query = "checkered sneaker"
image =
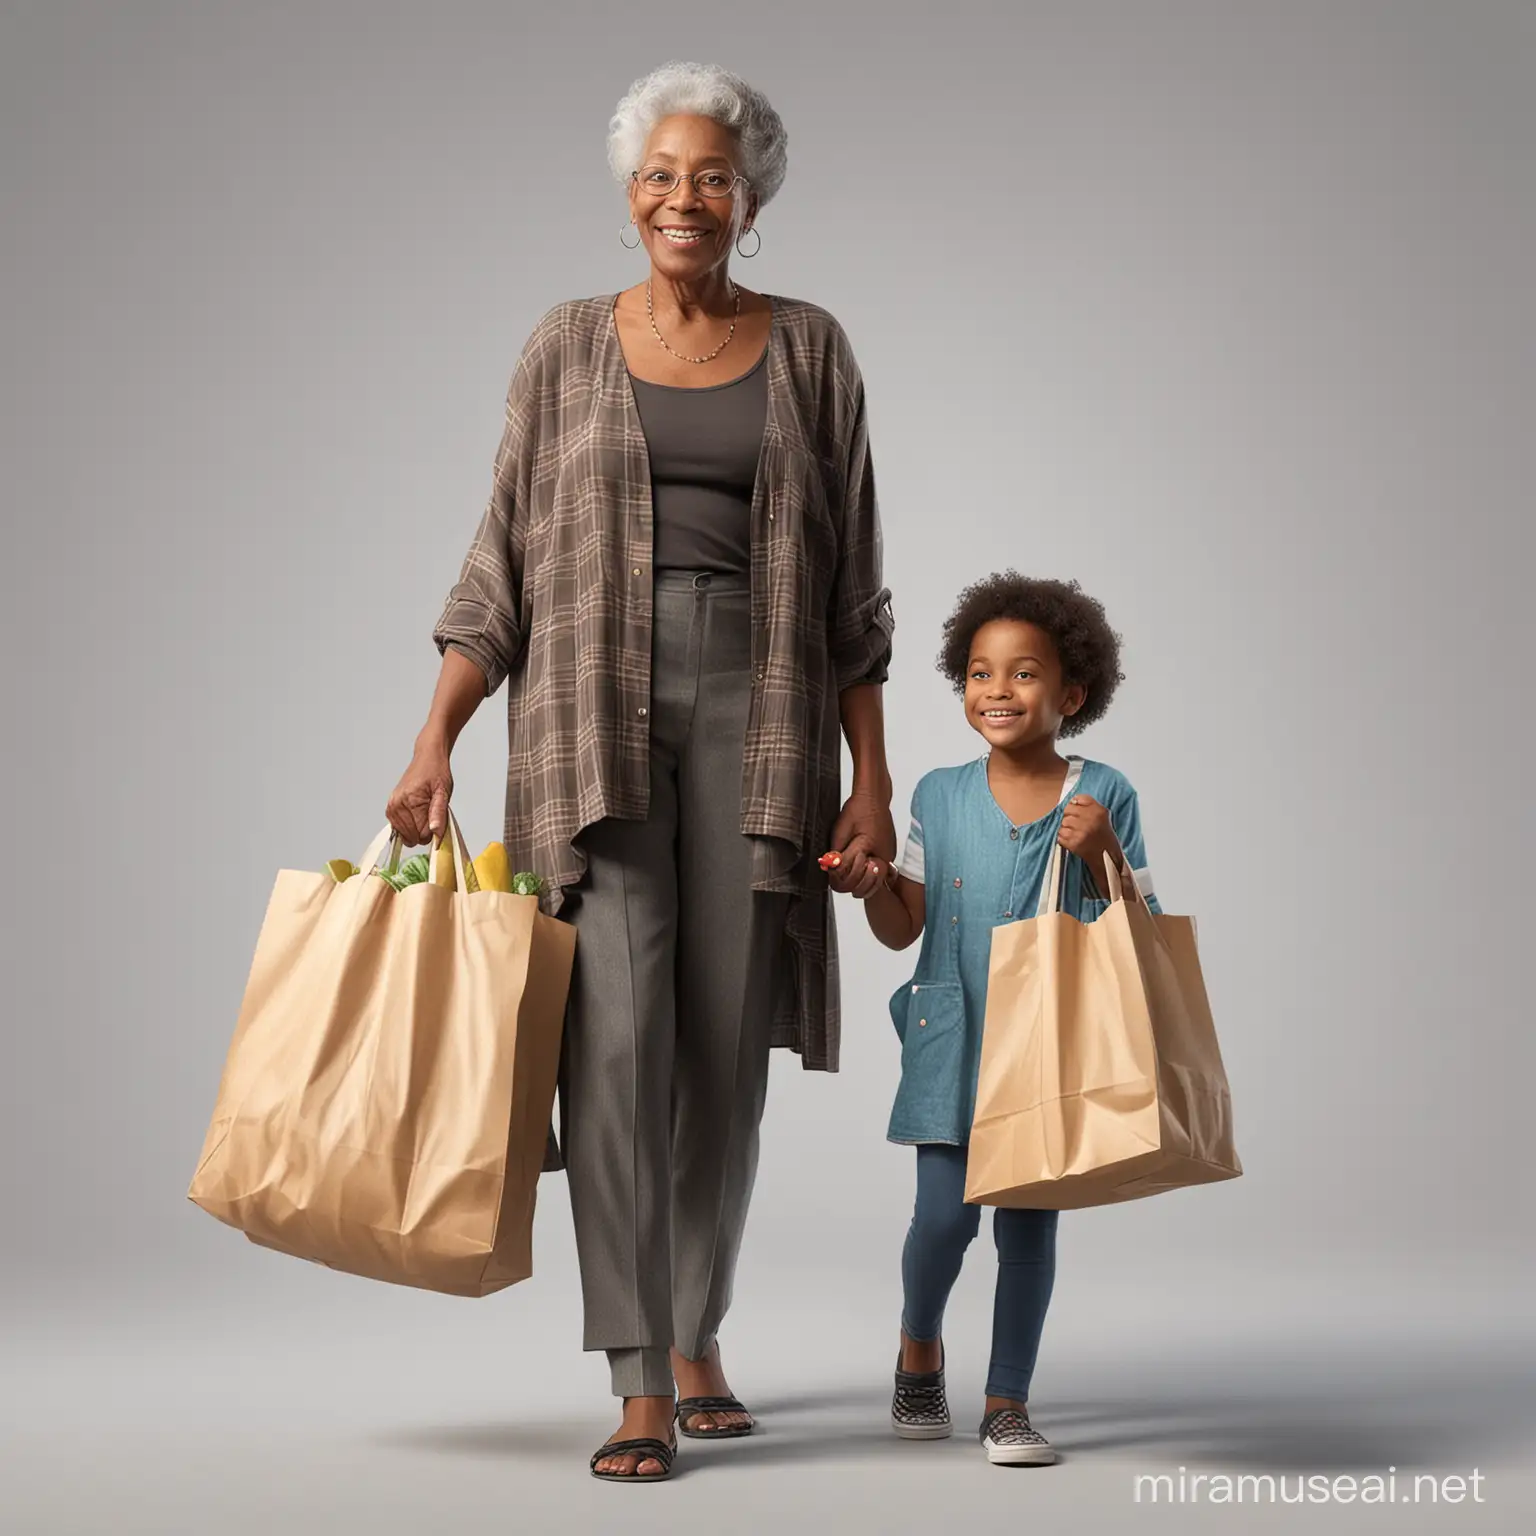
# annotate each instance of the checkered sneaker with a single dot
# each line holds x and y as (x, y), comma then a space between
(919, 1409)
(1010, 1440)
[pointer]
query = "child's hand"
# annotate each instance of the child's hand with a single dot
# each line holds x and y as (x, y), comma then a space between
(877, 876)
(863, 835)
(1087, 832)
(864, 885)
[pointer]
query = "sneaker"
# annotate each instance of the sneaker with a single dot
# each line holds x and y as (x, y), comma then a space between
(919, 1408)
(1010, 1440)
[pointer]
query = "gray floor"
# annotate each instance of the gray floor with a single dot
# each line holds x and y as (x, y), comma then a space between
(307, 1402)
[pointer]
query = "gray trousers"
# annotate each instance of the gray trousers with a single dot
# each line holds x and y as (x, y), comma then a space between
(672, 1001)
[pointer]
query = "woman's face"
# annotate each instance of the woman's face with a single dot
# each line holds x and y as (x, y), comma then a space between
(687, 235)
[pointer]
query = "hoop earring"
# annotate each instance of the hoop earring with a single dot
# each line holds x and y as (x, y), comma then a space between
(625, 243)
(748, 255)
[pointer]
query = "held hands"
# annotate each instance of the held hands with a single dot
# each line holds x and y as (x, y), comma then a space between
(1086, 831)
(863, 845)
(418, 809)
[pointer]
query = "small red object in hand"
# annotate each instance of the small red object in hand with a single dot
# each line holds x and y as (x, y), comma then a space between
(830, 860)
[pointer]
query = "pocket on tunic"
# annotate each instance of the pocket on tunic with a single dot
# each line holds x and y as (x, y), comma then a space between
(932, 1031)
(934, 1011)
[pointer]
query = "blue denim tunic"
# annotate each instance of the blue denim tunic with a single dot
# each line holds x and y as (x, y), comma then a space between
(979, 870)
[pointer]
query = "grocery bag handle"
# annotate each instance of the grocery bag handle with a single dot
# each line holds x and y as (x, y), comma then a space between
(1121, 887)
(1050, 896)
(370, 859)
(1122, 882)
(458, 851)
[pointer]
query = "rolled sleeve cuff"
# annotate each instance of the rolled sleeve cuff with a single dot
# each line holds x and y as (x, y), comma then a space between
(459, 631)
(867, 660)
(879, 674)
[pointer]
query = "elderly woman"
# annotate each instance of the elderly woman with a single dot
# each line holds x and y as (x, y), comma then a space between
(679, 576)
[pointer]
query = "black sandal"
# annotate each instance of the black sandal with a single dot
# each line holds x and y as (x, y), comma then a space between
(646, 1450)
(689, 1407)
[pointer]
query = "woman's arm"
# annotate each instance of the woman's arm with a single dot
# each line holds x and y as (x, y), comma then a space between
(862, 708)
(418, 809)
(895, 900)
(864, 830)
(859, 641)
(460, 688)
(864, 836)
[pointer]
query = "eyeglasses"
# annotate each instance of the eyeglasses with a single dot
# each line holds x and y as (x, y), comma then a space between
(662, 181)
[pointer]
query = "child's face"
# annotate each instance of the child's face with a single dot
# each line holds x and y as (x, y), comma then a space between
(1014, 691)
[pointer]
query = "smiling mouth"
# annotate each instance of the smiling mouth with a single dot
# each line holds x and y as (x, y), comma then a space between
(677, 234)
(1002, 714)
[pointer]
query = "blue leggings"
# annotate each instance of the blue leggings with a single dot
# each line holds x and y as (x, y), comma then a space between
(942, 1228)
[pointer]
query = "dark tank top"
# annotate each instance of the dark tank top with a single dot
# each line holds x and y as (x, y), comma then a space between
(704, 446)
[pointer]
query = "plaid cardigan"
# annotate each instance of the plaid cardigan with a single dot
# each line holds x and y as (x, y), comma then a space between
(555, 595)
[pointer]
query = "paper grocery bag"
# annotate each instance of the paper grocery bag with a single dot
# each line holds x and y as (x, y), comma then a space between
(387, 1094)
(1100, 1079)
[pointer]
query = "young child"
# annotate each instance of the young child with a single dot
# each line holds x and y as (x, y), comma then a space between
(1034, 660)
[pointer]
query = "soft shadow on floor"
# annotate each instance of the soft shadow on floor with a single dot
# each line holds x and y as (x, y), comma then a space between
(1400, 1408)
(1372, 1408)
(873, 1399)
(783, 1434)
(575, 1442)
(532, 1438)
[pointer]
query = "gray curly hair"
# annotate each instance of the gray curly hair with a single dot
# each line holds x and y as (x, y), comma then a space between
(703, 90)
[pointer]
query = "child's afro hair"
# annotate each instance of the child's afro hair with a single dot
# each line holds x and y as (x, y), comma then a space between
(1089, 649)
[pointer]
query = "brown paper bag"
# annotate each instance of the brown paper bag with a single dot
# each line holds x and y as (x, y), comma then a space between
(1101, 1079)
(387, 1094)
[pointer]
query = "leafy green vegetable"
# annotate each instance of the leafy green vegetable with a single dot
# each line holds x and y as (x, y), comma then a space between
(418, 869)
(415, 870)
